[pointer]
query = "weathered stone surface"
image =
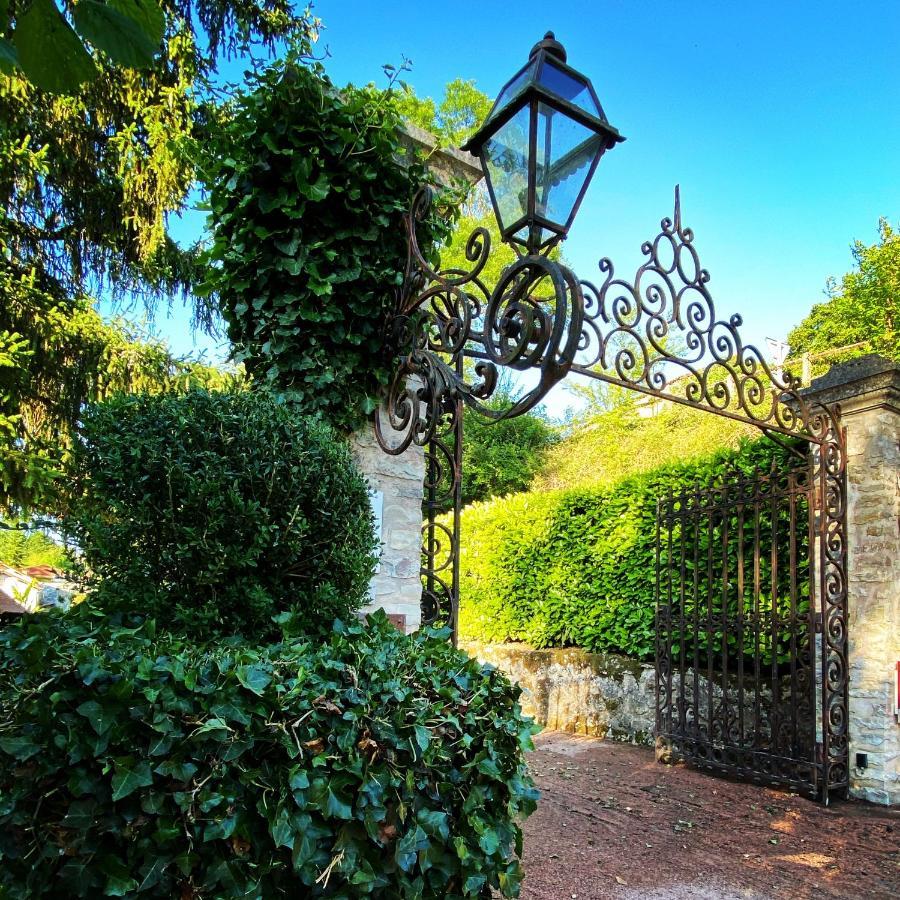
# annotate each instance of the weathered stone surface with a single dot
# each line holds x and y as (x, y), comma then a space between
(868, 391)
(599, 694)
(396, 586)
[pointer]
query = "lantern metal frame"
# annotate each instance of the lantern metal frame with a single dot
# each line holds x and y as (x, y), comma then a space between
(546, 52)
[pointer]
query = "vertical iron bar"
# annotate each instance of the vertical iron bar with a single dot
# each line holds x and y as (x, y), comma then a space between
(726, 707)
(682, 635)
(696, 631)
(757, 610)
(792, 561)
(457, 506)
(710, 617)
(773, 649)
(821, 529)
(742, 493)
(670, 516)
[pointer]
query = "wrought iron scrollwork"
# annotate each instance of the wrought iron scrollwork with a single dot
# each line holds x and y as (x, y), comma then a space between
(658, 333)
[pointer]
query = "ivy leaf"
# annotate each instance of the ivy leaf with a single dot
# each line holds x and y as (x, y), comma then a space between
(336, 807)
(489, 842)
(473, 885)
(254, 678)
(129, 777)
(101, 719)
(114, 29)
(118, 879)
(50, 53)
(19, 747)
(423, 737)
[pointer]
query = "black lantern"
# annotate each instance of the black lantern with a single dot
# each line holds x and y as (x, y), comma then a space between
(539, 148)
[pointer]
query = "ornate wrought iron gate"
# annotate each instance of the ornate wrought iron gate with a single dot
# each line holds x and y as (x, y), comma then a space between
(736, 626)
(752, 650)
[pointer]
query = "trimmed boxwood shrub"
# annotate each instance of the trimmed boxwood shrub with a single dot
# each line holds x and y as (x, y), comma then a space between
(215, 511)
(578, 567)
(373, 764)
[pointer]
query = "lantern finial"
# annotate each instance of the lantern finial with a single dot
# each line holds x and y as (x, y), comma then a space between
(551, 45)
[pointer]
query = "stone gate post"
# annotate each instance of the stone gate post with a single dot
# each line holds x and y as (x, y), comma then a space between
(868, 391)
(397, 481)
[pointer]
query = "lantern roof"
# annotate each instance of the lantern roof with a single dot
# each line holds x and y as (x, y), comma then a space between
(546, 77)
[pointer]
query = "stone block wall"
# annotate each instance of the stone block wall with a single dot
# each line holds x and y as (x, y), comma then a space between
(868, 391)
(396, 587)
(600, 694)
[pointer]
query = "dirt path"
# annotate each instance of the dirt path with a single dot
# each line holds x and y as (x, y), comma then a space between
(612, 822)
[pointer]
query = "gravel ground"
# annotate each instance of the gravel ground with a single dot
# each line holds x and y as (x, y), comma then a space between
(612, 822)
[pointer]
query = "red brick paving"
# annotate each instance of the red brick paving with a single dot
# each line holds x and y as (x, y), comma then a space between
(612, 822)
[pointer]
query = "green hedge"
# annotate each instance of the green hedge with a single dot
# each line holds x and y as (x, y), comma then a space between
(216, 511)
(372, 765)
(578, 567)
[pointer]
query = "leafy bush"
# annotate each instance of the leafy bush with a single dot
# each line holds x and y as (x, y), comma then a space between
(215, 511)
(372, 765)
(503, 457)
(307, 192)
(554, 568)
(620, 442)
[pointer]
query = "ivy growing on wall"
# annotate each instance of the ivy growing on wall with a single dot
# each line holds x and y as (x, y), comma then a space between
(308, 186)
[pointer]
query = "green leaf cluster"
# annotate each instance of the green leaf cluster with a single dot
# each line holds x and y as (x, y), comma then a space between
(373, 765)
(861, 316)
(49, 50)
(502, 457)
(611, 445)
(308, 188)
(578, 566)
(21, 548)
(215, 511)
(55, 356)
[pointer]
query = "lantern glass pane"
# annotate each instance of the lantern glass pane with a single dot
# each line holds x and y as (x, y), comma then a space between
(506, 167)
(569, 88)
(512, 89)
(565, 152)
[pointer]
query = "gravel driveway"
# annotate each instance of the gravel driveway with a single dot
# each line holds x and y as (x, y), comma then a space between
(612, 822)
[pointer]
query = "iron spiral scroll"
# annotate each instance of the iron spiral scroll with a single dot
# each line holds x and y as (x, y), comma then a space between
(658, 333)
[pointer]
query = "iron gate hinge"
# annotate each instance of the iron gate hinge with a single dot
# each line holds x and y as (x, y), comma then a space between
(819, 623)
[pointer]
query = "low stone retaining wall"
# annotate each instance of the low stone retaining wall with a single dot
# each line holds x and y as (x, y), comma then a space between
(600, 694)
(608, 695)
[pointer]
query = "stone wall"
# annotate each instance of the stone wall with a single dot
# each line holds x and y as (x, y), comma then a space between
(868, 391)
(396, 483)
(600, 694)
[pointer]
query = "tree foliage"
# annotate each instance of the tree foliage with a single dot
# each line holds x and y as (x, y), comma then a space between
(462, 109)
(47, 47)
(87, 183)
(864, 309)
(373, 765)
(217, 511)
(502, 457)
(622, 441)
(22, 548)
(54, 358)
(308, 192)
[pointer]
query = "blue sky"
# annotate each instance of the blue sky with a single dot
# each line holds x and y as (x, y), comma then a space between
(780, 120)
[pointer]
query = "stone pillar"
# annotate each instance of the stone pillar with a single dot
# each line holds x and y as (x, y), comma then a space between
(868, 391)
(397, 481)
